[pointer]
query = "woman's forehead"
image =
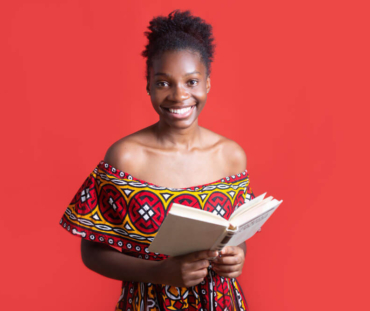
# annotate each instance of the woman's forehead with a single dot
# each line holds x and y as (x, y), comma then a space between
(182, 62)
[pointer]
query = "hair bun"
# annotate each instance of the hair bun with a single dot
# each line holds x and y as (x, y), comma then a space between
(179, 30)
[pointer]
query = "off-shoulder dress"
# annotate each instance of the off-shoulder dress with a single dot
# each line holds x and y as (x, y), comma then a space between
(115, 208)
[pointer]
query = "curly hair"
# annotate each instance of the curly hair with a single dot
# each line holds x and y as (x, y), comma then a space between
(179, 31)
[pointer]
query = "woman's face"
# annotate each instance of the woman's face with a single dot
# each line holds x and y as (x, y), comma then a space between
(178, 86)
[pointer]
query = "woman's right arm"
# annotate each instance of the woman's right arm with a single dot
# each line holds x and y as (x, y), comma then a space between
(181, 271)
(113, 264)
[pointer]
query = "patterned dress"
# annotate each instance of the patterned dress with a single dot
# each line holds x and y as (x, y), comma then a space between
(115, 208)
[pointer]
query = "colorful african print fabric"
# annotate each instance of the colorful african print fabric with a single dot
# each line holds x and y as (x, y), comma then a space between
(117, 209)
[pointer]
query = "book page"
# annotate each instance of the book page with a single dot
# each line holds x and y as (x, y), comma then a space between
(248, 205)
(249, 228)
(249, 208)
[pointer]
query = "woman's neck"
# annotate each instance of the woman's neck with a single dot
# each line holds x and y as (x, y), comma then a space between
(178, 138)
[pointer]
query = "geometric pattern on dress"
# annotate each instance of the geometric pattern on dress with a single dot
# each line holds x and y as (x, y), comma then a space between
(187, 199)
(85, 199)
(239, 198)
(166, 196)
(224, 294)
(147, 212)
(112, 204)
(115, 208)
(219, 204)
(240, 299)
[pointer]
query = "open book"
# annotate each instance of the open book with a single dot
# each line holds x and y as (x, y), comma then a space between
(186, 229)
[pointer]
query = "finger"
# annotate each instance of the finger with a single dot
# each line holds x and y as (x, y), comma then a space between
(198, 265)
(229, 250)
(200, 274)
(195, 278)
(229, 260)
(196, 256)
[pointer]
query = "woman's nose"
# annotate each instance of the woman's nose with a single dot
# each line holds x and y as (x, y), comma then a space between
(180, 93)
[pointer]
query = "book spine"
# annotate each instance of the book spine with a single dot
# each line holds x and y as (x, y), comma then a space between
(227, 237)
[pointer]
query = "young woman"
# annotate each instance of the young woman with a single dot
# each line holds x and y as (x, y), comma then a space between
(126, 198)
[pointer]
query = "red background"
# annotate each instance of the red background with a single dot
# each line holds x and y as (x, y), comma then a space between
(290, 84)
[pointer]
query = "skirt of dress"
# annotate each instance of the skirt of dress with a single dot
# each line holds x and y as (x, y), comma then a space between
(213, 293)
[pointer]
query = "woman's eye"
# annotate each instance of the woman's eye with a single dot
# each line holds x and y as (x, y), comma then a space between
(193, 82)
(162, 83)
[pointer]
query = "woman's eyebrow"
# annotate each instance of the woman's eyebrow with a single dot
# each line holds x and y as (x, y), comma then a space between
(191, 73)
(168, 75)
(162, 74)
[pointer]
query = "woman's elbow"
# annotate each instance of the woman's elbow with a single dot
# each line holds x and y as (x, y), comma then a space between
(86, 252)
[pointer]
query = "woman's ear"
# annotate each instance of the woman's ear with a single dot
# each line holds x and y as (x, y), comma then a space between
(208, 84)
(148, 88)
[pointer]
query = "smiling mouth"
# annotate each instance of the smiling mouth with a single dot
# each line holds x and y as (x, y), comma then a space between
(181, 111)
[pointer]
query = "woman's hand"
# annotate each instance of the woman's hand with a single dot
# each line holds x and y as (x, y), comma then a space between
(231, 262)
(187, 270)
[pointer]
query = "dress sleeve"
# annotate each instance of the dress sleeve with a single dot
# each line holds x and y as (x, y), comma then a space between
(249, 195)
(98, 212)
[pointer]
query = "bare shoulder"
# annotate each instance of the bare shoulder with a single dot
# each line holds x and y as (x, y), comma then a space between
(231, 153)
(234, 155)
(127, 153)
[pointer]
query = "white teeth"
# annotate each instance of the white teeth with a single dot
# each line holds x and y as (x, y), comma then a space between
(180, 111)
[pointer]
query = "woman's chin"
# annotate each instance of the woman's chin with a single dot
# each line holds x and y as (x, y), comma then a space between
(179, 124)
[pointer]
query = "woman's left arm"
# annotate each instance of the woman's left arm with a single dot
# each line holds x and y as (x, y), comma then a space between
(230, 264)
